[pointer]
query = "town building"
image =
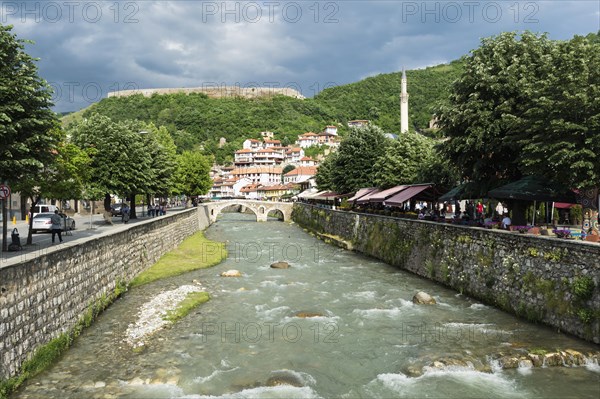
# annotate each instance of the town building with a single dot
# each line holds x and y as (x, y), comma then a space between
(300, 174)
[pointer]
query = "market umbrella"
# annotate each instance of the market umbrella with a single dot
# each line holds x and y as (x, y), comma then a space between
(534, 188)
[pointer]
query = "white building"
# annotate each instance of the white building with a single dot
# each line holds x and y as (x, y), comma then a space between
(300, 174)
(264, 175)
(252, 144)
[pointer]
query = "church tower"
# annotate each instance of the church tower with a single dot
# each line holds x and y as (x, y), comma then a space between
(403, 105)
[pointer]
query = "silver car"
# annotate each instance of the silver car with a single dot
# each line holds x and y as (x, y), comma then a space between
(43, 222)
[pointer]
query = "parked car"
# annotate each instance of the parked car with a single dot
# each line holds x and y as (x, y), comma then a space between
(115, 209)
(43, 222)
(42, 208)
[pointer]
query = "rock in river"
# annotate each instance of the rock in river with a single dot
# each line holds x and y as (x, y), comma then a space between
(422, 298)
(284, 377)
(231, 273)
(305, 315)
(280, 265)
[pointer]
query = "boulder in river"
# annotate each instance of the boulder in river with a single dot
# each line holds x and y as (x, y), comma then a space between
(280, 265)
(423, 298)
(284, 377)
(231, 273)
(305, 315)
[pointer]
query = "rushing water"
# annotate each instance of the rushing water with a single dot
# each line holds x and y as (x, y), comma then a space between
(368, 339)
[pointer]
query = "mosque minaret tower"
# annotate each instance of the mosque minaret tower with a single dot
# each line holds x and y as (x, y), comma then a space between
(403, 105)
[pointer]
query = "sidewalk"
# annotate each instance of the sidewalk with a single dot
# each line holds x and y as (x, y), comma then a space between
(42, 242)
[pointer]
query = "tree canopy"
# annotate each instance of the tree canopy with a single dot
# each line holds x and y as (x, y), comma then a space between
(27, 125)
(526, 104)
(403, 160)
(193, 174)
(353, 165)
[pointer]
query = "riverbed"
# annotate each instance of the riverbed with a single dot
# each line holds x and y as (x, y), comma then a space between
(364, 337)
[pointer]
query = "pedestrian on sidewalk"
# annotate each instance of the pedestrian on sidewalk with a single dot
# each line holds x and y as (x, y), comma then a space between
(57, 221)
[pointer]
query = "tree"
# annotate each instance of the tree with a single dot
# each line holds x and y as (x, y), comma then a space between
(353, 165)
(561, 127)
(193, 176)
(159, 145)
(487, 102)
(403, 160)
(29, 130)
(324, 177)
(528, 105)
(119, 162)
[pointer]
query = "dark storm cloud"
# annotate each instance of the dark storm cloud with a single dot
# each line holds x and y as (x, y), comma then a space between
(96, 47)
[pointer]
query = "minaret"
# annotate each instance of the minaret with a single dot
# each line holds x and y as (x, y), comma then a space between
(403, 105)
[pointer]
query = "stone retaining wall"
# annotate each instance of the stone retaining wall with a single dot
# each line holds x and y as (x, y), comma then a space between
(542, 279)
(44, 297)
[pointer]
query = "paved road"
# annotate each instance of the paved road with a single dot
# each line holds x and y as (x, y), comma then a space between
(84, 228)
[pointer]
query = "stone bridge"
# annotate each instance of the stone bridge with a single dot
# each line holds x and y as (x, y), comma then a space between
(260, 208)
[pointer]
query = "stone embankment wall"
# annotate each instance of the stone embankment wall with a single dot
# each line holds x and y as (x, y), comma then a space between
(216, 92)
(542, 279)
(45, 297)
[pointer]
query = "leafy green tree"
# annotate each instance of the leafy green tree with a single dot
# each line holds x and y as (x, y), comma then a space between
(561, 127)
(193, 176)
(119, 162)
(27, 128)
(160, 146)
(487, 102)
(439, 171)
(353, 165)
(403, 160)
(324, 177)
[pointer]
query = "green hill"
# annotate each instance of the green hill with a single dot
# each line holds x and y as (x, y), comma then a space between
(197, 120)
(377, 98)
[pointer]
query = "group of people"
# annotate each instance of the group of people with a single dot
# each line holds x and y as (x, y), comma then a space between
(156, 210)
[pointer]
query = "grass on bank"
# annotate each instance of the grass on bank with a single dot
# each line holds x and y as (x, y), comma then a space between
(195, 252)
(192, 300)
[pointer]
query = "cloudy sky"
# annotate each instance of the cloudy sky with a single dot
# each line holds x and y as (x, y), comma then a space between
(88, 48)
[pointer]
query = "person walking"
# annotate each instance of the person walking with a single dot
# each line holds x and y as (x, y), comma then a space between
(57, 222)
(125, 213)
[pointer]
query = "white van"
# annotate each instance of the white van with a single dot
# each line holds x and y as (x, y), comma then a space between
(43, 209)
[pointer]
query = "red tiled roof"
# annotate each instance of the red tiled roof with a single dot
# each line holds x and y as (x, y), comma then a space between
(303, 171)
(257, 169)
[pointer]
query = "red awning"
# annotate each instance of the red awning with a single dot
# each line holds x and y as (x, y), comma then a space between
(365, 198)
(385, 194)
(563, 205)
(361, 193)
(406, 194)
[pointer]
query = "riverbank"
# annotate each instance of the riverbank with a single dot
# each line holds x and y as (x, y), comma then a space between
(195, 252)
(541, 279)
(47, 301)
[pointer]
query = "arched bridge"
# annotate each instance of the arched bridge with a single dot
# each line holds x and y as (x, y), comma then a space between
(260, 208)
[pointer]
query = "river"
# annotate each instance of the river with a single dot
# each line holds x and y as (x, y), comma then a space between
(367, 339)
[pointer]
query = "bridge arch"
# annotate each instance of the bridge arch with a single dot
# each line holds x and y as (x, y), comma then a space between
(261, 209)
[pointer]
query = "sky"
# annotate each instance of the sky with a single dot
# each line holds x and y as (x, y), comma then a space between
(89, 48)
